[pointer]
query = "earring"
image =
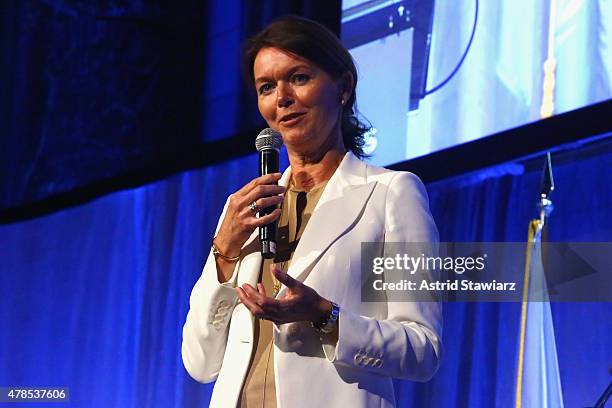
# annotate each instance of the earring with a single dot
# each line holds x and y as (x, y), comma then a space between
(342, 101)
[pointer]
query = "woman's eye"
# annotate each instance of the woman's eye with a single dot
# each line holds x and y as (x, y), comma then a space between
(300, 78)
(265, 88)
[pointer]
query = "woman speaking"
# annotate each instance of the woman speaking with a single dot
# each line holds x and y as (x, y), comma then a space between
(293, 331)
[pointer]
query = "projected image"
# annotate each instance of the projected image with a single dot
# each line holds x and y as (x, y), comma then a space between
(436, 74)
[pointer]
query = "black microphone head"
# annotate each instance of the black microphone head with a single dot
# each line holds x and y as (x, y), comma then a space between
(268, 139)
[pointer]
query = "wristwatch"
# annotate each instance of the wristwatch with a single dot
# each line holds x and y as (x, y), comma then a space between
(331, 322)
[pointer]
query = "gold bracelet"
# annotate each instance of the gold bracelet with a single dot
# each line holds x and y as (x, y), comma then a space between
(218, 253)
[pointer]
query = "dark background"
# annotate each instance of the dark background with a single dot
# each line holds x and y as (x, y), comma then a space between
(98, 96)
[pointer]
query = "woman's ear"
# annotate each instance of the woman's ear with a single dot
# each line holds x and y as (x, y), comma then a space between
(347, 83)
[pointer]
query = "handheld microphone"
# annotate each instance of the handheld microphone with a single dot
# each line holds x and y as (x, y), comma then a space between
(268, 144)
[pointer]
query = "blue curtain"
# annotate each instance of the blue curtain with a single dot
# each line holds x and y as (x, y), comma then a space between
(94, 297)
(95, 89)
(481, 340)
(120, 90)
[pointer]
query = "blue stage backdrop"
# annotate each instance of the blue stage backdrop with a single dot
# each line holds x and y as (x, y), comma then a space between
(96, 90)
(94, 297)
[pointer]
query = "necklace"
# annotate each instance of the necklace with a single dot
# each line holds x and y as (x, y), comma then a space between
(276, 283)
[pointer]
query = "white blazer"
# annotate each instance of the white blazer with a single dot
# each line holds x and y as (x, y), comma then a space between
(376, 341)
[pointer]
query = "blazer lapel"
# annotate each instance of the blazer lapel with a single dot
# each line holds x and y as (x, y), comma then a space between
(338, 209)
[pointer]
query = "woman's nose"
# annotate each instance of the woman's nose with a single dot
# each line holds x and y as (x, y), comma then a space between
(284, 95)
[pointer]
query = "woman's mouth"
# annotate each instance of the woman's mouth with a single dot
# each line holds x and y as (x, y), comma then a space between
(292, 119)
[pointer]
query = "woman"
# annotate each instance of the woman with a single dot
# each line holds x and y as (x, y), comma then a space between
(296, 333)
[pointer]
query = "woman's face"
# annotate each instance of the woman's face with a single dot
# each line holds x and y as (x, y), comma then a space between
(298, 99)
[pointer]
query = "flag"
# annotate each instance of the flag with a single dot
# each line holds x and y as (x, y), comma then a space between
(538, 384)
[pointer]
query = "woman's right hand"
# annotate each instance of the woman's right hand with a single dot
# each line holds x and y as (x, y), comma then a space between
(240, 221)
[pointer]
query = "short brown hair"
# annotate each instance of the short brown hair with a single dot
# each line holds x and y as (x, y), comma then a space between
(315, 43)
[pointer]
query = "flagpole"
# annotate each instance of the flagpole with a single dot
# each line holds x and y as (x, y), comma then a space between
(521, 359)
(545, 207)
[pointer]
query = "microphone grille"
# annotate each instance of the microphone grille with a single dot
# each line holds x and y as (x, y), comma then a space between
(268, 139)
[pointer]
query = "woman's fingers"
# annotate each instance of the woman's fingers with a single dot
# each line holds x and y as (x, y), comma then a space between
(261, 289)
(264, 219)
(266, 202)
(249, 303)
(259, 304)
(240, 218)
(270, 201)
(301, 305)
(253, 294)
(259, 297)
(260, 191)
(285, 278)
(268, 179)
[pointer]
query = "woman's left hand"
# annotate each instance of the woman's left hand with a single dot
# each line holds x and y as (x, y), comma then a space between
(300, 302)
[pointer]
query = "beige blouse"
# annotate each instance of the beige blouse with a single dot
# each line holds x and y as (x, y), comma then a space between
(259, 389)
